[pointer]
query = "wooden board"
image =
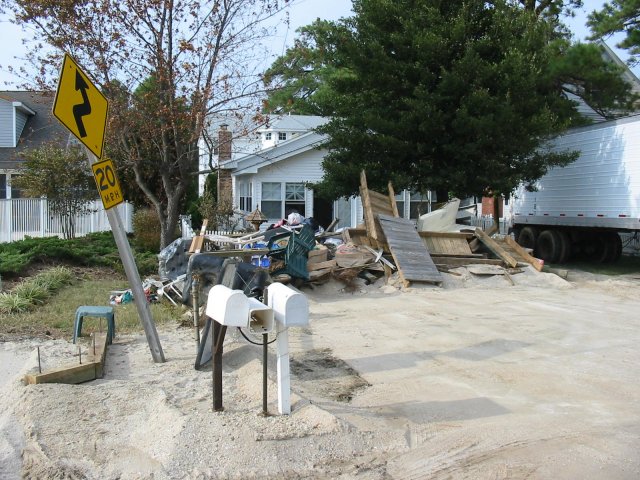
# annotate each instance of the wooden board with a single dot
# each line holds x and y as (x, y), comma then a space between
(461, 262)
(357, 236)
(446, 243)
(496, 249)
(198, 241)
(91, 368)
(408, 250)
(321, 265)
(522, 253)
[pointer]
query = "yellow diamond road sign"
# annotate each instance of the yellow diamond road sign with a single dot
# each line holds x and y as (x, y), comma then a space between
(80, 106)
(107, 182)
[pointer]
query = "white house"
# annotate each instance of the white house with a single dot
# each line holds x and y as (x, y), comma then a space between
(271, 171)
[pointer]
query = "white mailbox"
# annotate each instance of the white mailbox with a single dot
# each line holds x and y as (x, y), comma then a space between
(260, 317)
(290, 307)
(228, 307)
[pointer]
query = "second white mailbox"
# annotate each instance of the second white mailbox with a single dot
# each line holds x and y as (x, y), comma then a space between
(290, 307)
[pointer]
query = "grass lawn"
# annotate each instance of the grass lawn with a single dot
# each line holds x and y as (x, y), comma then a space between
(55, 317)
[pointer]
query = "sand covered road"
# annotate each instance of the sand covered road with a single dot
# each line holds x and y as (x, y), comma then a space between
(479, 379)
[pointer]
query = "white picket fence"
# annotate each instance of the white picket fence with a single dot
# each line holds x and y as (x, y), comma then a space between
(22, 217)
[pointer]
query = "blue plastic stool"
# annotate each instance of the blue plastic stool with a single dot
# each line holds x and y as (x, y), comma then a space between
(93, 311)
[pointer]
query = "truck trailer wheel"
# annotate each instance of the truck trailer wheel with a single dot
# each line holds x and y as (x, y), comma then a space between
(549, 246)
(565, 246)
(599, 248)
(613, 246)
(528, 237)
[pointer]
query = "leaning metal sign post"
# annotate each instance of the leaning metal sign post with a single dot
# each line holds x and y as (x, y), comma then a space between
(82, 108)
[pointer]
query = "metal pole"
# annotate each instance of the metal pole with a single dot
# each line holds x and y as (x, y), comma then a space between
(265, 341)
(80, 354)
(218, 332)
(131, 270)
(195, 294)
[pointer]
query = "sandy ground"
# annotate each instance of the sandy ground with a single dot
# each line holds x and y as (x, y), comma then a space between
(476, 380)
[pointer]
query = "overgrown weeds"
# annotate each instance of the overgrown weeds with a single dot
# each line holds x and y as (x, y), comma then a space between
(35, 290)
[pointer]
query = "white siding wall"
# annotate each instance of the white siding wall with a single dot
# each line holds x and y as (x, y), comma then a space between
(21, 120)
(6, 124)
(305, 167)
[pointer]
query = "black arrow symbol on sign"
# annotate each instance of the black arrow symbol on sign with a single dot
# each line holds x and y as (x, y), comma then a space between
(83, 108)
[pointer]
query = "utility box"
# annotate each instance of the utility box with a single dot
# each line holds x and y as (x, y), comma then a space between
(290, 307)
(228, 307)
(260, 317)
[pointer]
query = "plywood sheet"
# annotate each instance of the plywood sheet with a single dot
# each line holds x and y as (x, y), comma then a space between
(408, 250)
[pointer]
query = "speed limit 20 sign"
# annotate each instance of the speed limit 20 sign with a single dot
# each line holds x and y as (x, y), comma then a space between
(107, 183)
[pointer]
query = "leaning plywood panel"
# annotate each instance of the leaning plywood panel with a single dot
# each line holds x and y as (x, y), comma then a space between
(408, 250)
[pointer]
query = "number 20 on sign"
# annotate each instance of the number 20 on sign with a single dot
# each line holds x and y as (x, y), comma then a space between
(107, 183)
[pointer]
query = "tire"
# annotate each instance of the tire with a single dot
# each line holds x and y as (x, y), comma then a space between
(614, 247)
(549, 246)
(528, 237)
(565, 246)
(598, 248)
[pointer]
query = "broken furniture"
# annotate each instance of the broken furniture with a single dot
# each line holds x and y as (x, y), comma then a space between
(95, 311)
(292, 258)
(442, 219)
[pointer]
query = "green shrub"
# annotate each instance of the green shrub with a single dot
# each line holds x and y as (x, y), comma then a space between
(94, 250)
(146, 229)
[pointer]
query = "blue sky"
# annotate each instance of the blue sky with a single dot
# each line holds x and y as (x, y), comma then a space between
(302, 12)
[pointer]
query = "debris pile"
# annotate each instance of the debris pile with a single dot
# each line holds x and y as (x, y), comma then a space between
(385, 245)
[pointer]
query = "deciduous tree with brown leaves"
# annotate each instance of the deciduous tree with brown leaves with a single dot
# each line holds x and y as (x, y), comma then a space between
(184, 59)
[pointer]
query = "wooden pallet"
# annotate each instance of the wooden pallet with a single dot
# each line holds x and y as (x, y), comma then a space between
(408, 250)
(447, 243)
(374, 203)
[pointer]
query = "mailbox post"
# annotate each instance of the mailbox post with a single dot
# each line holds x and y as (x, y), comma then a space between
(286, 307)
(290, 309)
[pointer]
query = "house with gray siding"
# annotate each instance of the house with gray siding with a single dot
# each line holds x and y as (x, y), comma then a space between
(26, 122)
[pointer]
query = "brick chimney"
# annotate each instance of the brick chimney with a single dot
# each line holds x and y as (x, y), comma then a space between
(224, 143)
(225, 185)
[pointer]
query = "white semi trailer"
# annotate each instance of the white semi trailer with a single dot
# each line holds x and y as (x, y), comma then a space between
(579, 210)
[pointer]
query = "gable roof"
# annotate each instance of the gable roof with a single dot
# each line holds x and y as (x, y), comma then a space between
(294, 123)
(295, 146)
(41, 127)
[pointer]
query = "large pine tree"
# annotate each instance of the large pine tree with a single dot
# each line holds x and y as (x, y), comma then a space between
(446, 95)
